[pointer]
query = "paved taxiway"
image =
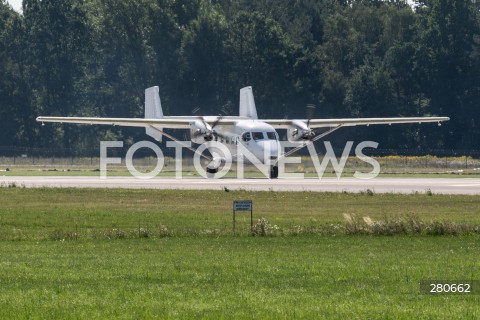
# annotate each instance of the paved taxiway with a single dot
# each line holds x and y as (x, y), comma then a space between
(378, 185)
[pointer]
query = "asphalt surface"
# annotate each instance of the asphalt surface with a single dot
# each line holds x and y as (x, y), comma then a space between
(378, 185)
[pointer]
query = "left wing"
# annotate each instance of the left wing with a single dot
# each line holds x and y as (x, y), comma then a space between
(165, 122)
(350, 122)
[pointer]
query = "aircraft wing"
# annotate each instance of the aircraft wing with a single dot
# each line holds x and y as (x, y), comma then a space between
(184, 122)
(350, 122)
(165, 122)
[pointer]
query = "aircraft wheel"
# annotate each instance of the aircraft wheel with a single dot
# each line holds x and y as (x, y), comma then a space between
(274, 172)
(213, 171)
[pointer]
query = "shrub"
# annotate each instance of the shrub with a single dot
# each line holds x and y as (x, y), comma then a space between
(114, 234)
(61, 235)
(402, 226)
(352, 225)
(163, 231)
(263, 228)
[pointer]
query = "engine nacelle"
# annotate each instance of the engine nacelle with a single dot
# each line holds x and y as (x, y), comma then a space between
(299, 131)
(199, 132)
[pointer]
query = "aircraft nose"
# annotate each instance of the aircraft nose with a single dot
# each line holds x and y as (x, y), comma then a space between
(270, 150)
(274, 149)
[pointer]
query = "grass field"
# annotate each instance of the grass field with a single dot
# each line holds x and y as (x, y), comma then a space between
(78, 253)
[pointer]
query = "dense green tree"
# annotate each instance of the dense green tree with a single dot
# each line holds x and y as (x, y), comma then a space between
(56, 42)
(261, 55)
(349, 57)
(12, 105)
(447, 68)
(204, 61)
(134, 46)
(302, 20)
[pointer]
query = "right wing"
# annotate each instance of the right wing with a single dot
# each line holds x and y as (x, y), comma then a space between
(349, 122)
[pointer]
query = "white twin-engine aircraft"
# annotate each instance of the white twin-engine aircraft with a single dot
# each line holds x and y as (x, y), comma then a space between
(257, 136)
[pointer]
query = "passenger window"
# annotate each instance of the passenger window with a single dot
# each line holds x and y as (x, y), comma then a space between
(257, 136)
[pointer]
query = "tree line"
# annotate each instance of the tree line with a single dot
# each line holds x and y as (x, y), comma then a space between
(351, 58)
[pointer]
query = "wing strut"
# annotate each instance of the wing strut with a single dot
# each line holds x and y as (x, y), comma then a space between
(181, 142)
(286, 154)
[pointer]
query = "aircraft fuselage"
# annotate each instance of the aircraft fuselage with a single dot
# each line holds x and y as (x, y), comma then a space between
(255, 136)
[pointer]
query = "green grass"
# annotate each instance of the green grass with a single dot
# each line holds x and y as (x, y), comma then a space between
(74, 171)
(202, 270)
(34, 213)
(239, 277)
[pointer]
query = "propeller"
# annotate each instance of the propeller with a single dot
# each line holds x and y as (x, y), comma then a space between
(310, 112)
(196, 110)
(208, 131)
(214, 124)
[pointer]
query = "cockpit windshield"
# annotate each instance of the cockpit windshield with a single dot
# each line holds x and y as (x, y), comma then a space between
(271, 136)
(257, 136)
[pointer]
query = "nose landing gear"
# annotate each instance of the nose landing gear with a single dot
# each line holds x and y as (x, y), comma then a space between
(214, 166)
(211, 172)
(273, 172)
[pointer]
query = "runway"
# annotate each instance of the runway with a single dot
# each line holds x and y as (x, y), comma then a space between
(377, 185)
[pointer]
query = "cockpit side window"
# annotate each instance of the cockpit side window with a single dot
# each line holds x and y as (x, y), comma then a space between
(246, 136)
(271, 136)
(257, 136)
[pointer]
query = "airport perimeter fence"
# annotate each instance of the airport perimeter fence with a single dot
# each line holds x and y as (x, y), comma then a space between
(18, 156)
(390, 160)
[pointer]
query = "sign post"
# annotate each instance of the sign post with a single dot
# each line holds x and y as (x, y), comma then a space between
(242, 205)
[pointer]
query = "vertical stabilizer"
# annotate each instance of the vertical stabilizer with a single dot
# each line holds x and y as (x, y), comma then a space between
(247, 103)
(153, 110)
